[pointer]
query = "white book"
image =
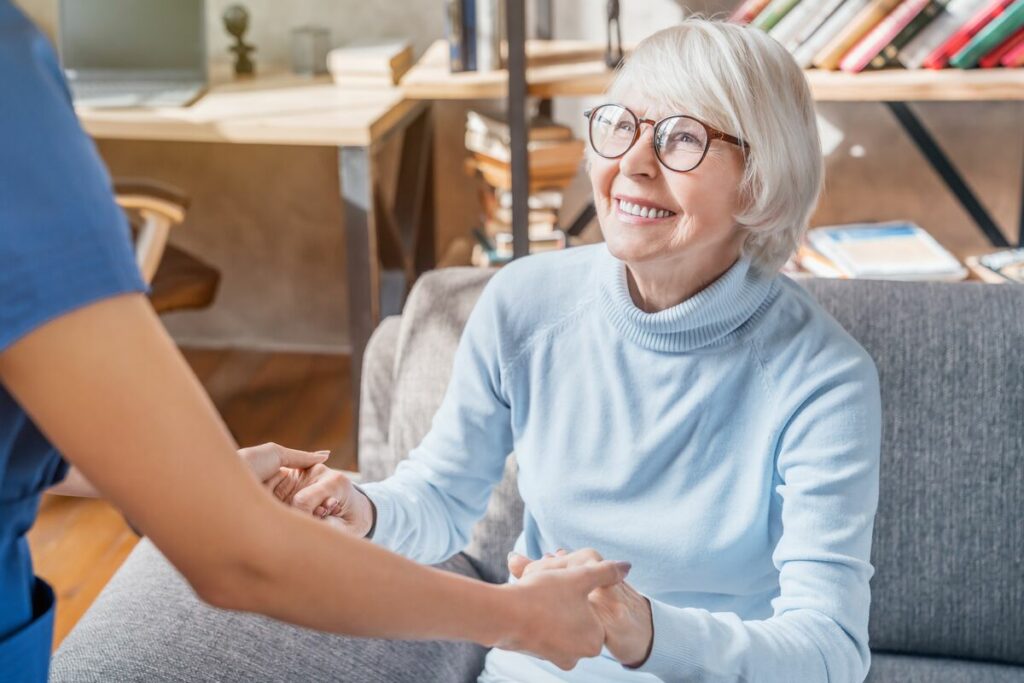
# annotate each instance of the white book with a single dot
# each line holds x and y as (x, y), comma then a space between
(896, 250)
(940, 28)
(488, 37)
(804, 54)
(806, 18)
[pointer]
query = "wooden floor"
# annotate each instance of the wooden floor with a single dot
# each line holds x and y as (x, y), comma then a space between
(298, 400)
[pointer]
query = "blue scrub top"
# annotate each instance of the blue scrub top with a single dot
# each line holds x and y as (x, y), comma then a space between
(64, 243)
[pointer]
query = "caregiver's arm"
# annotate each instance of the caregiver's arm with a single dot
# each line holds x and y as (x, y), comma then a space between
(828, 458)
(111, 391)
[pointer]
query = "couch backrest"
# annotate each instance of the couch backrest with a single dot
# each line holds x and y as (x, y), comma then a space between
(949, 534)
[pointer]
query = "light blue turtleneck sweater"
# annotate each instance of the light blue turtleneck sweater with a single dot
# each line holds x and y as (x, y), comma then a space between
(728, 447)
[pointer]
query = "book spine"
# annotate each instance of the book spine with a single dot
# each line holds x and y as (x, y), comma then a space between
(453, 29)
(940, 56)
(805, 54)
(773, 13)
(989, 37)
(747, 10)
(953, 16)
(488, 42)
(890, 53)
(872, 44)
(802, 21)
(1015, 57)
(993, 58)
(864, 21)
(469, 33)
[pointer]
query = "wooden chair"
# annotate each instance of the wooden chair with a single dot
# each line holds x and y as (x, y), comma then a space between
(178, 280)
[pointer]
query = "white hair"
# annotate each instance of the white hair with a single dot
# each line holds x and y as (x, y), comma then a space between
(737, 79)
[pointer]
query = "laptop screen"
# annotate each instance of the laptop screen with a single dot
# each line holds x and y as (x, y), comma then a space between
(149, 36)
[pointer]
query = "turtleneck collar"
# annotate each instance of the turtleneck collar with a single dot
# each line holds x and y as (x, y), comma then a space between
(705, 319)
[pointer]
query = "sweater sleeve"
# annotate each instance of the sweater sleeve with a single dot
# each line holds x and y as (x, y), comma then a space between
(427, 509)
(827, 463)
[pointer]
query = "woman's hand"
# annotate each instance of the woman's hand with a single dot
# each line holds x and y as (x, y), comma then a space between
(556, 619)
(624, 613)
(326, 493)
(266, 461)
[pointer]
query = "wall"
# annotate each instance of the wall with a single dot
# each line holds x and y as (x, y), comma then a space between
(270, 218)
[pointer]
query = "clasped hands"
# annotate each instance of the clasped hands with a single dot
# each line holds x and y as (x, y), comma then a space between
(300, 479)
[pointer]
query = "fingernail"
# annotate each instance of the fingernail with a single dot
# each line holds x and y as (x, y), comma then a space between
(624, 567)
(323, 452)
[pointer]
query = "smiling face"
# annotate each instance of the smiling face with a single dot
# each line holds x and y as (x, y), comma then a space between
(655, 219)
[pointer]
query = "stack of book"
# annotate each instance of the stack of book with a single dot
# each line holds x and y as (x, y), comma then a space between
(896, 250)
(1000, 267)
(370, 65)
(474, 29)
(554, 157)
(854, 35)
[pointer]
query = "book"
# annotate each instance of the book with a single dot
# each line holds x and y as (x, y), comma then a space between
(866, 19)
(453, 31)
(747, 10)
(1013, 58)
(548, 199)
(939, 57)
(496, 125)
(540, 153)
(488, 34)
(993, 58)
(990, 36)
(895, 250)
(872, 44)
(1006, 266)
(773, 13)
(815, 263)
(803, 20)
(953, 16)
(390, 58)
(469, 34)
(889, 55)
(805, 53)
(499, 175)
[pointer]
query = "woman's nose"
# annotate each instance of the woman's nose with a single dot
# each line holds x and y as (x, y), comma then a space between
(640, 158)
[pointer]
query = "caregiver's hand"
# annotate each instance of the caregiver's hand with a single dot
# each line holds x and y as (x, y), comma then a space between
(324, 492)
(266, 461)
(625, 613)
(561, 623)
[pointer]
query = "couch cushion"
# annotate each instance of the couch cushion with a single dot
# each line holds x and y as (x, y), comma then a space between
(887, 668)
(948, 535)
(432, 322)
(148, 626)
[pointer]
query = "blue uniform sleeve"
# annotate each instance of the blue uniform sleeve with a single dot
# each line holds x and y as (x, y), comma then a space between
(64, 242)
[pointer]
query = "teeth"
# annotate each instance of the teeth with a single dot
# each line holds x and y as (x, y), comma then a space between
(643, 211)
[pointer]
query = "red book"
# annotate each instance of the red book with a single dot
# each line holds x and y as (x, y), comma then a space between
(868, 47)
(747, 10)
(992, 58)
(939, 57)
(1014, 57)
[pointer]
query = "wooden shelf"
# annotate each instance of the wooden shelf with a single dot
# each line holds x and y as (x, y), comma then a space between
(576, 68)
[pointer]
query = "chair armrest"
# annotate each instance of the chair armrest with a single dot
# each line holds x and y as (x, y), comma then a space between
(376, 391)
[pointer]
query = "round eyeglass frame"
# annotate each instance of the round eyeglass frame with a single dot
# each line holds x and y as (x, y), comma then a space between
(712, 134)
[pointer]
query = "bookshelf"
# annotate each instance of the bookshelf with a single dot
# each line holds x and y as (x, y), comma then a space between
(572, 68)
(560, 68)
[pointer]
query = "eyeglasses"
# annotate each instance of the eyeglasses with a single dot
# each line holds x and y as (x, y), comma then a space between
(680, 142)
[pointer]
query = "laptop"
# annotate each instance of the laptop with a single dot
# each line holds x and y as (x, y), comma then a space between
(134, 53)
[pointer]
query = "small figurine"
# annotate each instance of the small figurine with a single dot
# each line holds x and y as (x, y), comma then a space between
(236, 21)
(613, 56)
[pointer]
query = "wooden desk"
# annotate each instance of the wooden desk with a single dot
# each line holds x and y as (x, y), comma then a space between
(388, 246)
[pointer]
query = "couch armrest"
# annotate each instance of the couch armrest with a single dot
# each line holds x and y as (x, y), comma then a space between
(375, 396)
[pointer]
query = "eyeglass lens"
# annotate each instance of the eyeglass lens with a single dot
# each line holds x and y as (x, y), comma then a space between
(679, 141)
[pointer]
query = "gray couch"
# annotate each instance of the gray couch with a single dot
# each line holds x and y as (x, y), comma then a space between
(948, 593)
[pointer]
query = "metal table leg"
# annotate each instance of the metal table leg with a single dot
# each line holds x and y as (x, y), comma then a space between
(944, 167)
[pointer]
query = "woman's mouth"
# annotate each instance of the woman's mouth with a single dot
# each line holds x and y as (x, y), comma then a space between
(639, 213)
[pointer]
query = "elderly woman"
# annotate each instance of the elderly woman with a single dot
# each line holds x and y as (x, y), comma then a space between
(671, 398)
